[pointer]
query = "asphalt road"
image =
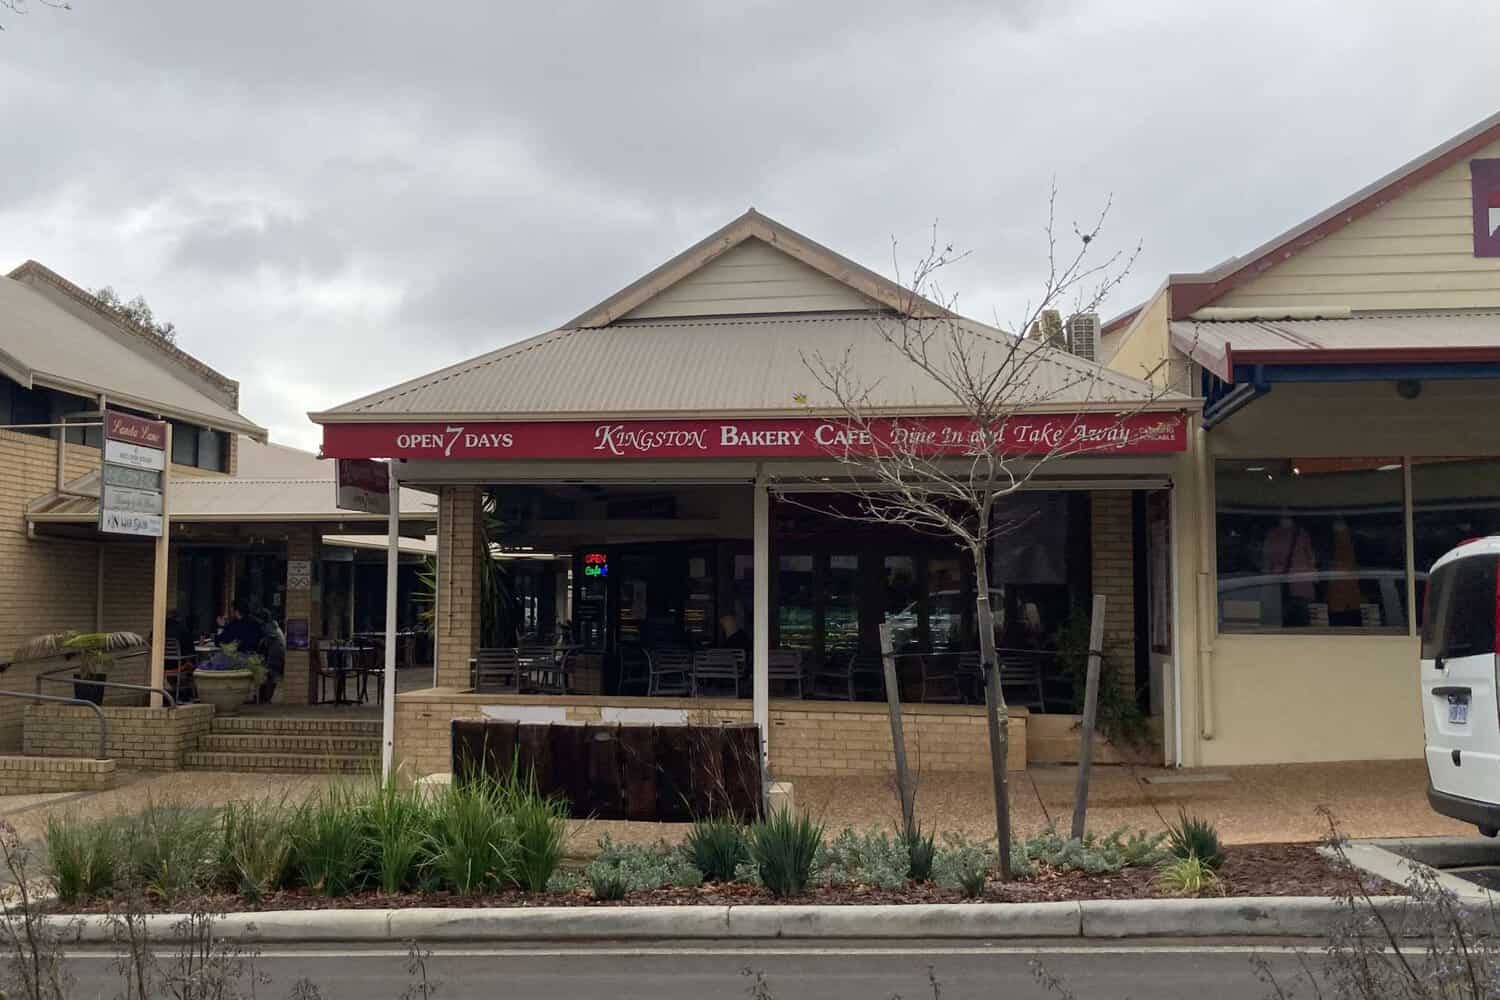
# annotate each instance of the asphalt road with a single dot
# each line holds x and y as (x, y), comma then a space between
(1160, 971)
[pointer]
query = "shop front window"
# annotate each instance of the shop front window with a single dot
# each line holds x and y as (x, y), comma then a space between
(841, 604)
(1453, 500)
(903, 611)
(1311, 544)
(795, 602)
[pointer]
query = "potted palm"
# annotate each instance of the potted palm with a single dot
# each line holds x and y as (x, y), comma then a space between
(226, 680)
(95, 651)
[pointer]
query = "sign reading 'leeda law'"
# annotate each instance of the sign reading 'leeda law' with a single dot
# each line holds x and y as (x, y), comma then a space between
(791, 437)
(135, 462)
(363, 485)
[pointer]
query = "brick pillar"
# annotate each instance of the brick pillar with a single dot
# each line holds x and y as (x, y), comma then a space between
(458, 613)
(302, 546)
(1114, 576)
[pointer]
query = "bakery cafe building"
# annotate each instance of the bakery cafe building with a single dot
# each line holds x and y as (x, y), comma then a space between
(671, 450)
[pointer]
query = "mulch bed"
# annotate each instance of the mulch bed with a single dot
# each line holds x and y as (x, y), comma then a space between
(1250, 870)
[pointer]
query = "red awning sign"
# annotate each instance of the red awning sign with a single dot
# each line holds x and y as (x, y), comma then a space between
(792, 437)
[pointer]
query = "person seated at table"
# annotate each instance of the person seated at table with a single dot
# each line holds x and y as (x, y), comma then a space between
(734, 636)
(238, 628)
(273, 647)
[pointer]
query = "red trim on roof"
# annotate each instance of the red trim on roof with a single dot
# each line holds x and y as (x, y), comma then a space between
(1189, 296)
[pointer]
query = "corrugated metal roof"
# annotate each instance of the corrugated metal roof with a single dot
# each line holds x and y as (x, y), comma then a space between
(41, 342)
(739, 365)
(1412, 337)
(227, 499)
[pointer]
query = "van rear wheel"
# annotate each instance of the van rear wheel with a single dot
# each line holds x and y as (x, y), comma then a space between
(1489, 831)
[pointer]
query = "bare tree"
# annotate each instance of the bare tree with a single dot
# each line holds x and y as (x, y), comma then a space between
(136, 311)
(24, 7)
(1011, 404)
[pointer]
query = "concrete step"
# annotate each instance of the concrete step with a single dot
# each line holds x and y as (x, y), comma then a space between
(261, 724)
(202, 760)
(291, 743)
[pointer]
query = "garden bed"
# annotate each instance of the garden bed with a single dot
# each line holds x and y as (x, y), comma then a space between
(1250, 870)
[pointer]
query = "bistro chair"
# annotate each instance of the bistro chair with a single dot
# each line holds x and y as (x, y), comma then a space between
(847, 676)
(369, 664)
(1021, 670)
(970, 676)
(332, 666)
(537, 664)
(635, 669)
(497, 671)
(784, 666)
(179, 668)
(671, 672)
(718, 666)
(941, 681)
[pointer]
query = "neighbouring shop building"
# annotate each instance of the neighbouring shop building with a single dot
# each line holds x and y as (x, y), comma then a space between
(672, 447)
(243, 510)
(1347, 434)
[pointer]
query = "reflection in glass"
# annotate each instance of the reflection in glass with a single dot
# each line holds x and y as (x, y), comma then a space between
(841, 604)
(1311, 543)
(1452, 500)
(901, 600)
(795, 588)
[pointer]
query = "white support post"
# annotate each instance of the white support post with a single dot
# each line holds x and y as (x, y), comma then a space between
(392, 560)
(158, 662)
(760, 686)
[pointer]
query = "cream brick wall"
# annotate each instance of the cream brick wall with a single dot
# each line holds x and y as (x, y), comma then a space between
(295, 689)
(149, 738)
(458, 614)
(33, 775)
(806, 738)
(1114, 576)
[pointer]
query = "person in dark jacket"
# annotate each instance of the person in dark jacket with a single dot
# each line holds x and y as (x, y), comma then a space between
(239, 629)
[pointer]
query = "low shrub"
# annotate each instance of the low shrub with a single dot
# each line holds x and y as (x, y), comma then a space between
(717, 848)
(169, 849)
(872, 859)
(395, 822)
(83, 858)
(962, 864)
(255, 848)
(784, 848)
(1195, 837)
(606, 883)
(920, 850)
(1093, 854)
(329, 844)
(471, 843)
(642, 867)
(1190, 876)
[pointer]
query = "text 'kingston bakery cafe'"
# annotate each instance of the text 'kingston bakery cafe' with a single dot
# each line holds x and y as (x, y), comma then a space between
(672, 454)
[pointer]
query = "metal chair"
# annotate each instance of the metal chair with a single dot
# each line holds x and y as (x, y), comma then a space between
(941, 681)
(497, 671)
(671, 672)
(635, 669)
(849, 675)
(538, 663)
(179, 668)
(784, 666)
(1022, 669)
(718, 666)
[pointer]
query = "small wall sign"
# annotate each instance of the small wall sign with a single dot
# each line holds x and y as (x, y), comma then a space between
(299, 574)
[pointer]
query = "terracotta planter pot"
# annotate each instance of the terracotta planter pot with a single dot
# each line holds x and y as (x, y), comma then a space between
(225, 690)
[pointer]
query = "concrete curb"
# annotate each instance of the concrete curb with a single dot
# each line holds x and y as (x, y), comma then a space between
(1255, 916)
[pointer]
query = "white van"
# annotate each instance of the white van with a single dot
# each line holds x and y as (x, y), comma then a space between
(1461, 714)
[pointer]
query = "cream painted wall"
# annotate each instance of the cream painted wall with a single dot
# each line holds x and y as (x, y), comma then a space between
(1415, 252)
(1285, 699)
(753, 277)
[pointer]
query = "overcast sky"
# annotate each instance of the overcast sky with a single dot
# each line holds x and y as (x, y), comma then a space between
(331, 197)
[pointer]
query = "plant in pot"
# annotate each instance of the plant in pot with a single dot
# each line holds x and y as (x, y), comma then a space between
(95, 651)
(227, 679)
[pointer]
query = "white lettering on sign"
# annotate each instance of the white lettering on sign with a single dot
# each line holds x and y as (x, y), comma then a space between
(731, 436)
(831, 435)
(451, 436)
(134, 455)
(617, 439)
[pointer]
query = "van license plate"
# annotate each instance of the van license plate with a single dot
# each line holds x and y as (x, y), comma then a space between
(1458, 710)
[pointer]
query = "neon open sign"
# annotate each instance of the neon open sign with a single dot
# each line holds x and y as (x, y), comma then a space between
(595, 564)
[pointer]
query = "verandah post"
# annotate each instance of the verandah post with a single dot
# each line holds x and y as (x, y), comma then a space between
(760, 651)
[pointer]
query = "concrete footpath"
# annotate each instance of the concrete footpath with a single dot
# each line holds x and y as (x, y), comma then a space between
(1280, 917)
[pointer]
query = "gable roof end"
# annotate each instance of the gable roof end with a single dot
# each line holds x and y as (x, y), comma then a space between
(1191, 292)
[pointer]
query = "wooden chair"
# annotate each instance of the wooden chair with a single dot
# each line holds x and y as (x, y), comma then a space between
(671, 672)
(785, 667)
(718, 666)
(1021, 670)
(497, 671)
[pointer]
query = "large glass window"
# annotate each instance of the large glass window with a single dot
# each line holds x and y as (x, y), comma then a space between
(903, 610)
(841, 603)
(1313, 543)
(795, 600)
(1452, 500)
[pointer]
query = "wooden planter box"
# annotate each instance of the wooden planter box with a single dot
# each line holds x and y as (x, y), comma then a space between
(660, 773)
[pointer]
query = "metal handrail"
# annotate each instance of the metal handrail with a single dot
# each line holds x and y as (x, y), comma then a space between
(103, 722)
(51, 675)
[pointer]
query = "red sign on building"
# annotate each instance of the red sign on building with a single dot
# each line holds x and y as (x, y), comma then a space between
(131, 429)
(788, 437)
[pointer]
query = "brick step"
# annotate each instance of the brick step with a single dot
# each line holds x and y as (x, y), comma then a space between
(291, 743)
(249, 724)
(200, 760)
